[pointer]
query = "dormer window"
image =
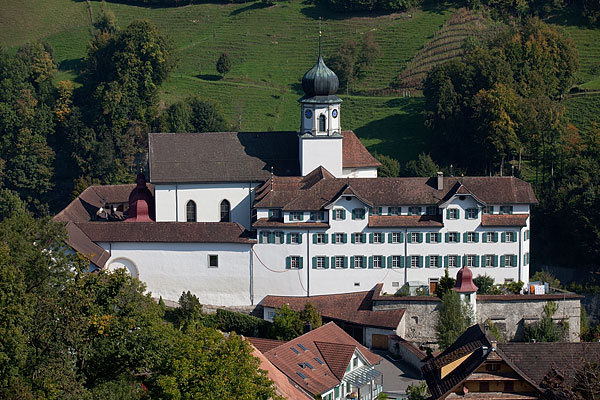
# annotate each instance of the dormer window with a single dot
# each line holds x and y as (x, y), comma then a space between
(322, 123)
(275, 213)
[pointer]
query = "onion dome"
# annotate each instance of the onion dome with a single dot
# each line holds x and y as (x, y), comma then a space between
(320, 80)
(141, 202)
(464, 281)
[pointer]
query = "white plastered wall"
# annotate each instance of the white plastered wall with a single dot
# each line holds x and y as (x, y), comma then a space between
(367, 172)
(323, 151)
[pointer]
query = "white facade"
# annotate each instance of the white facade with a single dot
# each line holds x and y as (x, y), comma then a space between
(171, 201)
(320, 119)
(370, 172)
(316, 151)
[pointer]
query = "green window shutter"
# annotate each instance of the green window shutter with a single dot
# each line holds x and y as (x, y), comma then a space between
(301, 262)
(288, 238)
(428, 237)
(407, 261)
(371, 237)
(464, 259)
(345, 262)
(447, 213)
(352, 262)
(446, 237)
(288, 262)
(343, 216)
(420, 237)
(389, 261)
(484, 237)
(270, 213)
(382, 262)
(476, 213)
(299, 238)
(503, 237)
(370, 261)
(510, 209)
(313, 215)
(327, 263)
(420, 261)
(458, 238)
(354, 213)
(401, 237)
(408, 237)
(458, 213)
(271, 237)
(465, 236)
(402, 264)
(495, 237)
(344, 238)
(458, 261)
(439, 261)
(410, 211)
(314, 238)
(502, 261)
(332, 262)
(260, 237)
(476, 234)
(364, 237)
(445, 261)
(333, 238)
(514, 263)
(325, 238)
(352, 237)
(314, 262)
(495, 261)
(477, 261)
(427, 261)
(389, 238)
(382, 237)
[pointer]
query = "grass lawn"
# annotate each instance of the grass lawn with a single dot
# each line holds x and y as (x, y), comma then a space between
(583, 111)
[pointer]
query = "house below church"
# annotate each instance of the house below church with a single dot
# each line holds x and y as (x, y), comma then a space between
(236, 216)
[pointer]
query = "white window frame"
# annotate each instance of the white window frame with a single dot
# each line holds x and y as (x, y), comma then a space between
(358, 237)
(339, 238)
(490, 258)
(396, 263)
(489, 237)
(453, 237)
(210, 260)
(377, 237)
(471, 213)
(434, 237)
(414, 237)
(320, 262)
(275, 212)
(414, 261)
(337, 214)
(414, 210)
(433, 261)
(338, 262)
(396, 237)
(452, 261)
(294, 262)
(470, 260)
(511, 236)
(508, 260)
(359, 262)
(294, 238)
(296, 216)
(471, 237)
(279, 237)
(320, 238)
(377, 261)
(359, 213)
(453, 213)
(394, 210)
(488, 210)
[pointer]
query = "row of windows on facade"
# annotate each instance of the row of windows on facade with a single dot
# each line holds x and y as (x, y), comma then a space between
(412, 261)
(191, 214)
(359, 213)
(279, 237)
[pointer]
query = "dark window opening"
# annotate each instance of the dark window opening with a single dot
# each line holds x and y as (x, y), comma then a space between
(225, 211)
(322, 123)
(190, 209)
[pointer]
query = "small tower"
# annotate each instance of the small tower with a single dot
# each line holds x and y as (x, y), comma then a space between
(320, 129)
(466, 288)
(141, 202)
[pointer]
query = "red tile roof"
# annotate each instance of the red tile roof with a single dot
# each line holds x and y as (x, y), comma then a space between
(264, 345)
(504, 220)
(269, 223)
(354, 308)
(337, 356)
(354, 154)
(405, 221)
(321, 377)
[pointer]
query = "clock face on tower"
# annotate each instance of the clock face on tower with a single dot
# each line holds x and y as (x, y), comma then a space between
(308, 114)
(334, 113)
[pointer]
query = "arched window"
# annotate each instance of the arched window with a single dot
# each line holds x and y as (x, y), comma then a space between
(322, 126)
(225, 211)
(190, 211)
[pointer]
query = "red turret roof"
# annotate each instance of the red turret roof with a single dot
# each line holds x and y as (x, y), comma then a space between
(141, 202)
(464, 281)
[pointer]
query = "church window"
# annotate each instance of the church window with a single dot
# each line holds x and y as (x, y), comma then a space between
(213, 261)
(322, 123)
(190, 211)
(225, 211)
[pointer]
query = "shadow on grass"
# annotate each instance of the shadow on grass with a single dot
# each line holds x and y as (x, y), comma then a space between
(210, 77)
(570, 16)
(254, 6)
(316, 11)
(74, 64)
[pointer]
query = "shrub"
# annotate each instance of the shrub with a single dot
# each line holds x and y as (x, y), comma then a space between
(223, 64)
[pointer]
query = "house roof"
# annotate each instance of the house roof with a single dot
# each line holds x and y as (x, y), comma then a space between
(264, 345)
(330, 344)
(270, 223)
(237, 156)
(355, 308)
(504, 220)
(405, 221)
(292, 193)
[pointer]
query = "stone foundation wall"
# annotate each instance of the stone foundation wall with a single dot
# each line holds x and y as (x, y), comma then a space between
(419, 318)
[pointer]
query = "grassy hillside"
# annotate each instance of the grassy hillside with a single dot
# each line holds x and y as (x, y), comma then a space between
(271, 48)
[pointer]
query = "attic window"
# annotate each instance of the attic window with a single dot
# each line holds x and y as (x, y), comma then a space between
(301, 375)
(308, 365)
(319, 360)
(294, 350)
(302, 347)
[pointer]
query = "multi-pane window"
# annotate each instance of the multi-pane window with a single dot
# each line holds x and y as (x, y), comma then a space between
(275, 213)
(452, 261)
(320, 262)
(452, 213)
(339, 237)
(375, 211)
(489, 260)
(414, 210)
(511, 236)
(471, 213)
(432, 210)
(319, 238)
(509, 260)
(294, 238)
(414, 261)
(471, 237)
(190, 211)
(414, 237)
(295, 262)
(396, 237)
(225, 211)
(396, 262)
(279, 237)
(470, 260)
(506, 209)
(453, 237)
(489, 237)
(339, 261)
(434, 237)
(394, 211)
(339, 214)
(296, 216)
(377, 261)
(377, 237)
(488, 209)
(358, 237)
(433, 262)
(359, 262)
(358, 213)
(317, 215)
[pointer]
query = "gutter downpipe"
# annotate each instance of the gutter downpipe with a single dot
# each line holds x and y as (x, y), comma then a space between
(251, 274)
(406, 256)
(520, 250)
(308, 263)
(176, 204)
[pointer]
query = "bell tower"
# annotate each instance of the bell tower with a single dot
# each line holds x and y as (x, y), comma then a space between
(320, 129)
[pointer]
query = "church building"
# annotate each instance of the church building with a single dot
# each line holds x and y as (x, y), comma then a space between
(236, 216)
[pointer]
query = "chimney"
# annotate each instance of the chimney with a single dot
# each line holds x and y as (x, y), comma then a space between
(307, 327)
(440, 181)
